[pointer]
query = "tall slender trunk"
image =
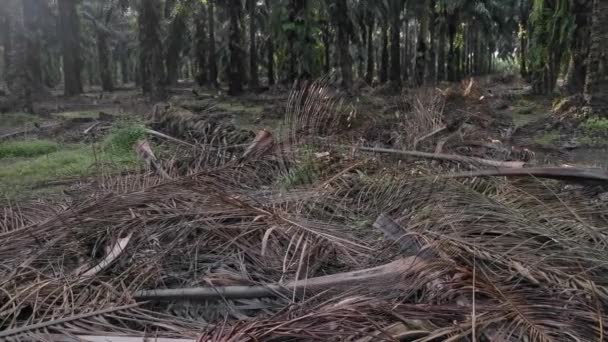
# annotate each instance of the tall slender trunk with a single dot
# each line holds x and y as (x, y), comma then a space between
(523, 39)
(369, 71)
(5, 35)
(201, 48)
(299, 41)
(406, 49)
(344, 57)
(327, 40)
(20, 86)
(432, 55)
(441, 76)
(212, 53)
(596, 85)
(579, 47)
(105, 65)
(175, 44)
(270, 62)
(152, 72)
(253, 52)
(31, 18)
(235, 67)
(384, 56)
(422, 45)
(452, 25)
(124, 63)
(69, 27)
(395, 74)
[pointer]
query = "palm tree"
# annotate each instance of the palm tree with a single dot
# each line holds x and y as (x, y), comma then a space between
(395, 8)
(176, 38)
(344, 28)
(100, 15)
(235, 67)
(596, 85)
(253, 53)
(18, 80)
(69, 28)
(200, 43)
(151, 62)
(212, 52)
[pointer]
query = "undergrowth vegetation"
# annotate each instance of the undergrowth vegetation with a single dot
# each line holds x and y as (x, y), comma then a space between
(27, 148)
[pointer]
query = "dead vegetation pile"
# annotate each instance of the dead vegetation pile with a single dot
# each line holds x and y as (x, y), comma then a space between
(307, 240)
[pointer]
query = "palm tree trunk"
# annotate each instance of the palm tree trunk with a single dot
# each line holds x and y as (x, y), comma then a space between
(69, 28)
(105, 66)
(577, 71)
(441, 53)
(175, 43)
(452, 53)
(201, 48)
(344, 56)
(422, 46)
(20, 87)
(432, 55)
(596, 85)
(523, 39)
(253, 52)
(32, 20)
(369, 73)
(212, 53)
(384, 56)
(5, 35)
(395, 74)
(152, 68)
(235, 67)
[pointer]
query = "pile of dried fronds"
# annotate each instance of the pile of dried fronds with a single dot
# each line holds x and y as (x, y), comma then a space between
(232, 254)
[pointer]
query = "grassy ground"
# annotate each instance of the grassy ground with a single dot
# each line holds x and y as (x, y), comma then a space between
(30, 165)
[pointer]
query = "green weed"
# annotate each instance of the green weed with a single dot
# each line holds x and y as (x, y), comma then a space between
(596, 126)
(27, 148)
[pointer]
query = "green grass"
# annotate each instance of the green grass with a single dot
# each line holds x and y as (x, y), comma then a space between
(594, 132)
(596, 126)
(27, 168)
(27, 148)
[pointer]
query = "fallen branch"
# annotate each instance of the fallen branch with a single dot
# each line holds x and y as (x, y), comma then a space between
(168, 137)
(559, 173)
(90, 128)
(429, 135)
(115, 338)
(113, 254)
(375, 275)
(447, 157)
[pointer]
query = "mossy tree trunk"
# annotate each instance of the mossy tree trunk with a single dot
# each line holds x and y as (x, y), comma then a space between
(579, 47)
